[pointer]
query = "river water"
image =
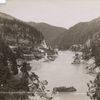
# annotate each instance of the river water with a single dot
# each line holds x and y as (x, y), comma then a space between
(62, 73)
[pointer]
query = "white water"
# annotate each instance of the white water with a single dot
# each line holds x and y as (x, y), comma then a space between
(62, 73)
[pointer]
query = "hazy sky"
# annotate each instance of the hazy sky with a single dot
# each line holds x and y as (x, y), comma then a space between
(63, 13)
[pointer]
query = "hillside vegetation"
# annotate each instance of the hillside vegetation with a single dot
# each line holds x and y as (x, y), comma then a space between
(79, 33)
(50, 32)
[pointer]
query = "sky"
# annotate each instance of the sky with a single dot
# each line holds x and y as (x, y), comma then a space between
(64, 13)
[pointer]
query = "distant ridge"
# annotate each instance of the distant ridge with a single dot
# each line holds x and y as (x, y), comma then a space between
(50, 32)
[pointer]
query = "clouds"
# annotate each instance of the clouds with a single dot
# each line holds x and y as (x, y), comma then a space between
(57, 12)
(2, 1)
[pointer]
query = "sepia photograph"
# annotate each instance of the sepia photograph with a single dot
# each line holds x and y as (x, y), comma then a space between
(49, 49)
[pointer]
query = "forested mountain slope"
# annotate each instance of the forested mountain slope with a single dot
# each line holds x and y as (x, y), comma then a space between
(50, 33)
(79, 33)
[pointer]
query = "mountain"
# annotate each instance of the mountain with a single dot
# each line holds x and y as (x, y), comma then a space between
(50, 33)
(16, 31)
(6, 16)
(16, 37)
(22, 38)
(79, 33)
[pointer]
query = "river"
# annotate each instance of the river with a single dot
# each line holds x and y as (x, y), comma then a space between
(62, 73)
